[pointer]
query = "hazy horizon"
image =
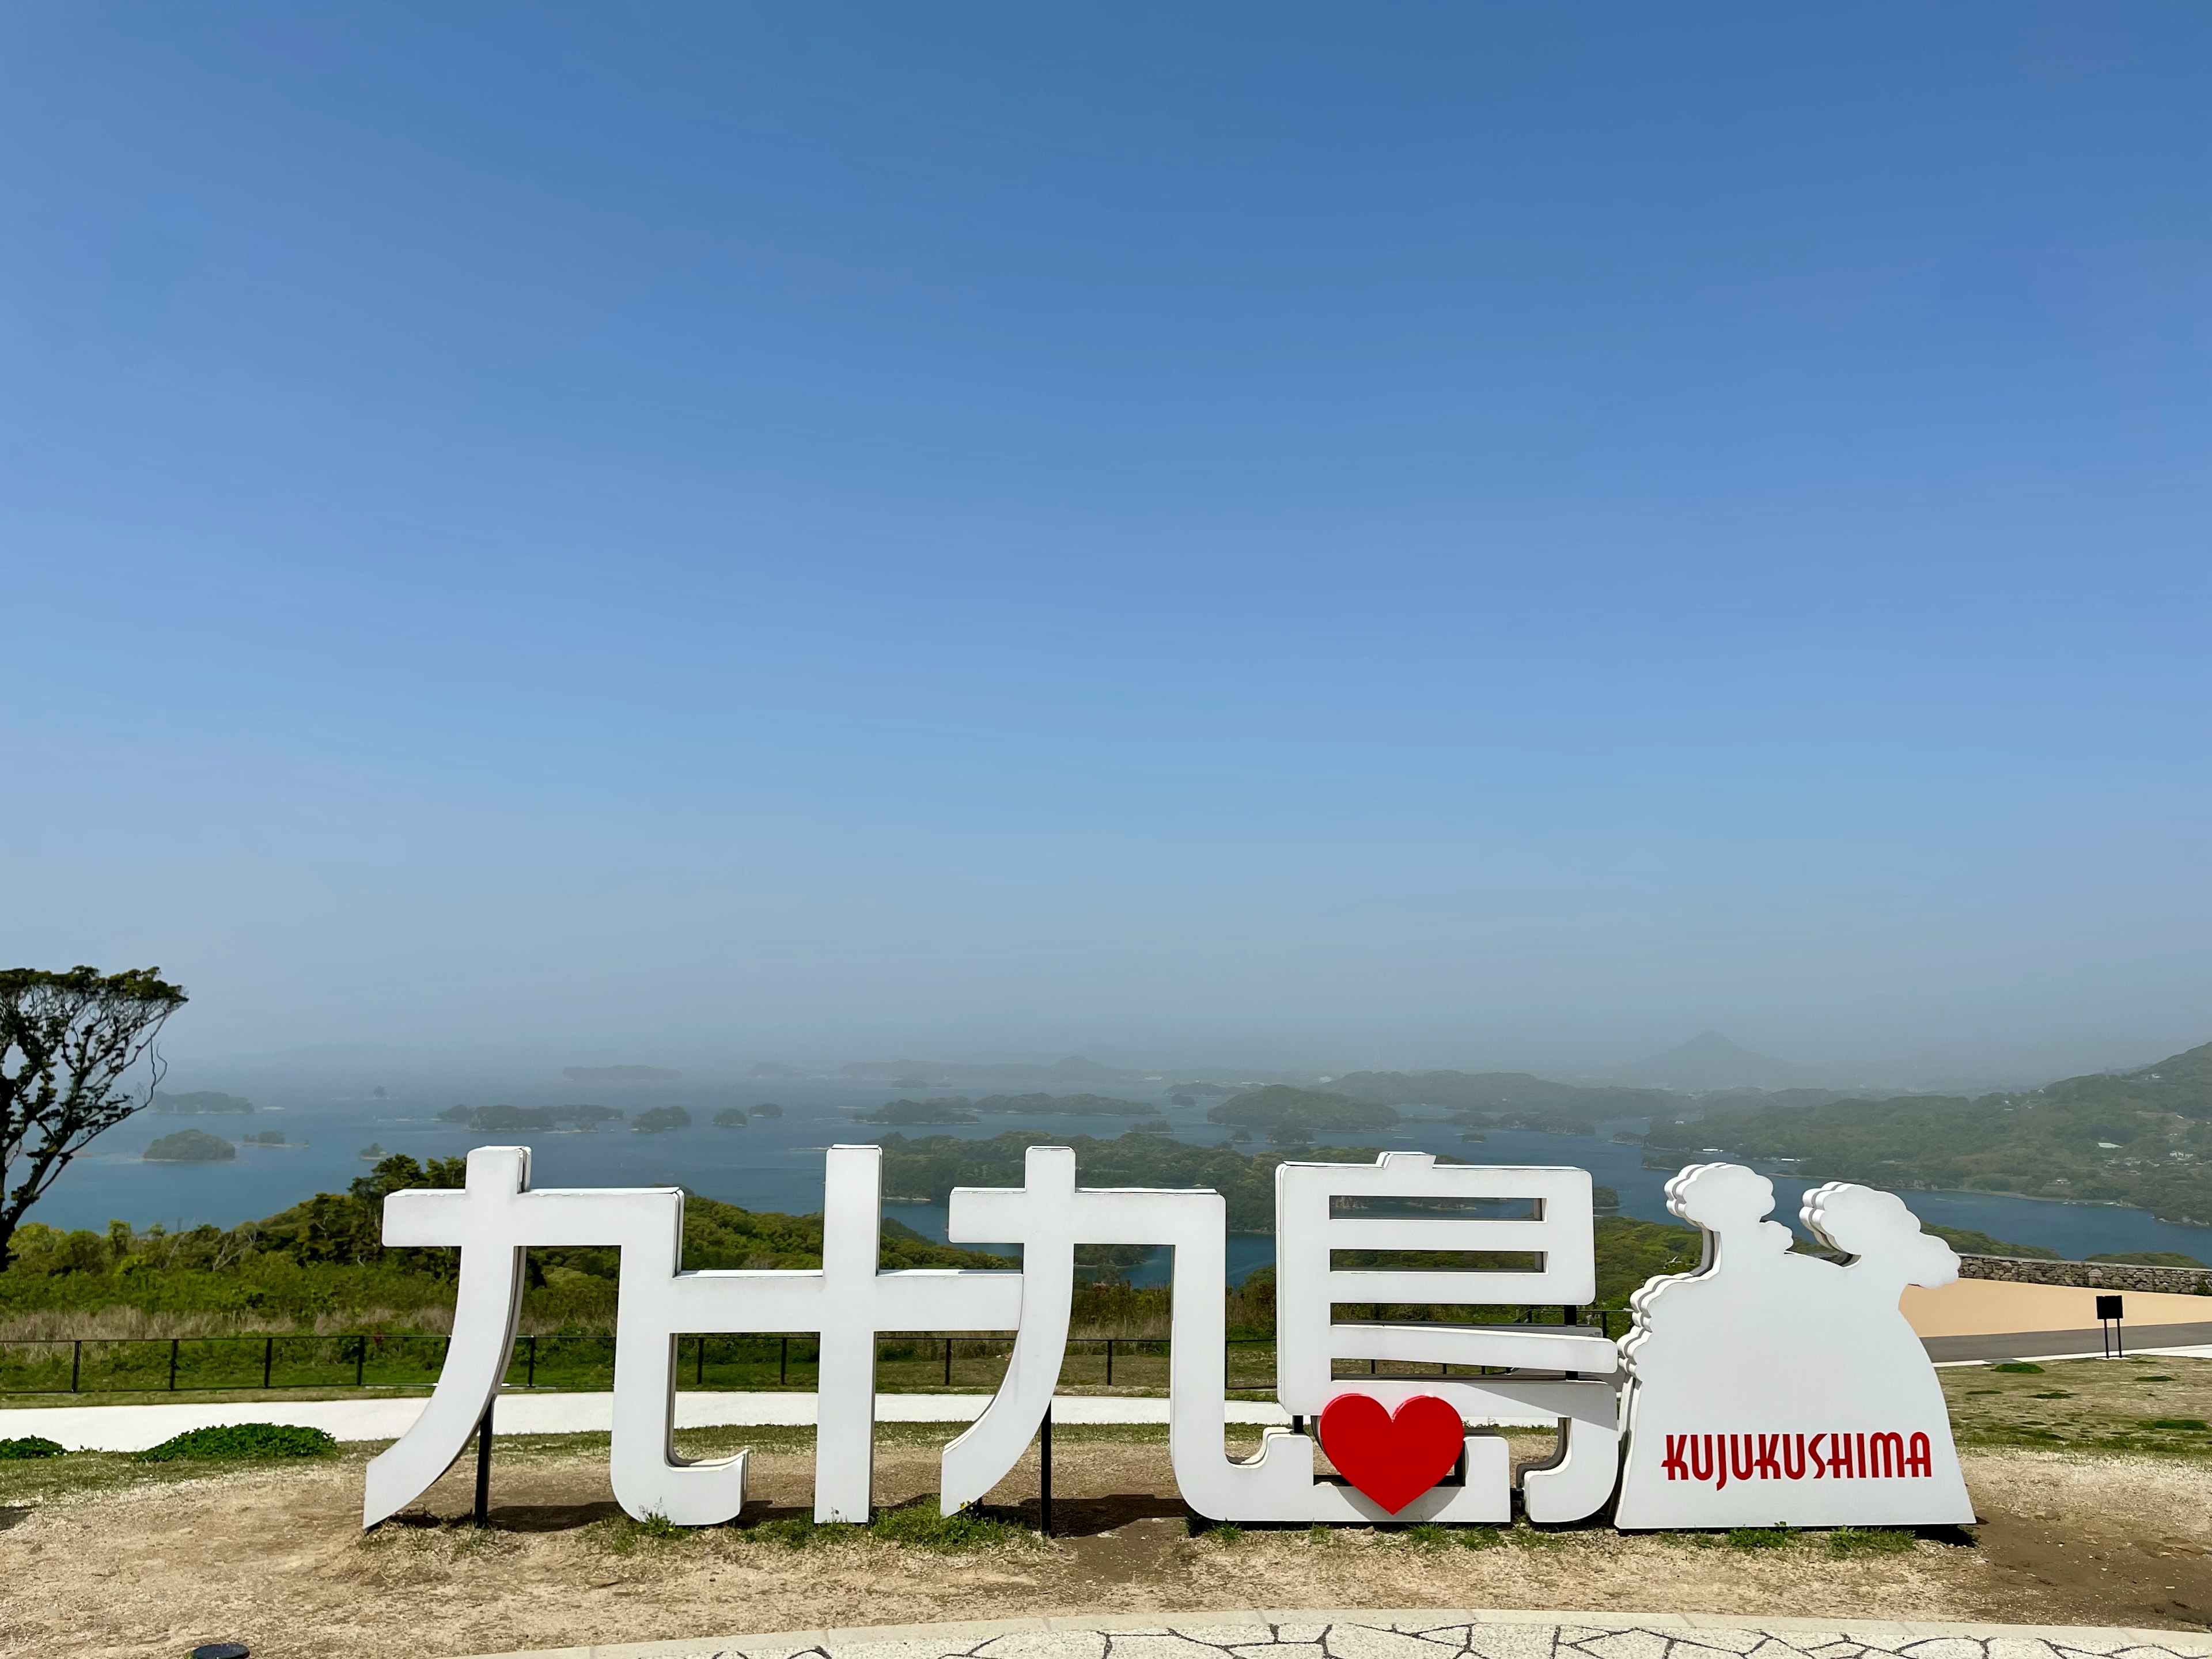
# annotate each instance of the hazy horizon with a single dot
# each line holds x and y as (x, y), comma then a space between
(1458, 537)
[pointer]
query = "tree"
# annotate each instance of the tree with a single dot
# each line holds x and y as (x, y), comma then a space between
(67, 1042)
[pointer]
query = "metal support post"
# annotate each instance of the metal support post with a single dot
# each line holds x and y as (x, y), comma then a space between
(1044, 1475)
(268, 1359)
(172, 1364)
(484, 1464)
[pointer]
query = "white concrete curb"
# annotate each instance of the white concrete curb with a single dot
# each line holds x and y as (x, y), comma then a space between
(1293, 1631)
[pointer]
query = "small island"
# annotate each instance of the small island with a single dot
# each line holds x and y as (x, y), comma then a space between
(730, 1117)
(768, 1108)
(189, 1146)
(952, 1110)
(661, 1118)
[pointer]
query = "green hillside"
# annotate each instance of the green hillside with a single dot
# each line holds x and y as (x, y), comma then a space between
(324, 1256)
(2142, 1138)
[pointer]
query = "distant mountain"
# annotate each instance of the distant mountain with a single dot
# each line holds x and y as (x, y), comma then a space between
(1710, 1060)
(619, 1074)
(769, 1068)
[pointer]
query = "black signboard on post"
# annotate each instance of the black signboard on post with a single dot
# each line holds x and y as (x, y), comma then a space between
(2108, 1315)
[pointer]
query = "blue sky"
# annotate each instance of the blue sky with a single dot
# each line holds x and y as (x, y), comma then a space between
(1457, 535)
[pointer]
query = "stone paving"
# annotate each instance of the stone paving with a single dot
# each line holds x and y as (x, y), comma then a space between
(1432, 1635)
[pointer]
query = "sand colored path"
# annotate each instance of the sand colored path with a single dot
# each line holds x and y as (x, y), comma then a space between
(1990, 1307)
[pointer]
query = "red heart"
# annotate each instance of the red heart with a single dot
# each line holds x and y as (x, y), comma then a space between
(1392, 1457)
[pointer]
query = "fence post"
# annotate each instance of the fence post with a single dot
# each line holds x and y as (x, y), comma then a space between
(783, 1363)
(948, 1362)
(76, 1362)
(531, 1381)
(360, 1357)
(172, 1364)
(268, 1359)
(699, 1372)
(1109, 1362)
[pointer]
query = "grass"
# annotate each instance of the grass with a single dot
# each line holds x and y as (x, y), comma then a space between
(920, 1526)
(916, 1525)
(1869, 1540)
(2085, 1405)
(1223, 1532)
(1760, 1538)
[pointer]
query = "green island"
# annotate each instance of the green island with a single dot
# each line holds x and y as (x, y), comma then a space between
(913, 1114)
(189, 1146)
(2141, 1138)
(1289, 1113)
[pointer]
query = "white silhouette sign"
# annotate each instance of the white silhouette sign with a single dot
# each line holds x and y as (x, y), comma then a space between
(1770, 1388)
(1719, 1358)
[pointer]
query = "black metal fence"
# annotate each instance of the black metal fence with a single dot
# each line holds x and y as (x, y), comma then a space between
(570, 1361)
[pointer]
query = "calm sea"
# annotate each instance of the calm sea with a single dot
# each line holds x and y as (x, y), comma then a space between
(776, 1164)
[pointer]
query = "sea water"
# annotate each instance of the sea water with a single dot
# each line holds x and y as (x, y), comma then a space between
(775, 1163)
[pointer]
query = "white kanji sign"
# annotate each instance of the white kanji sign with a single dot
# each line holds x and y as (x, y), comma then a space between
(1405, 1231)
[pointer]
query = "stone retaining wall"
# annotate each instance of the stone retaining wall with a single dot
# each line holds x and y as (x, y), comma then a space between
(2089, 1275)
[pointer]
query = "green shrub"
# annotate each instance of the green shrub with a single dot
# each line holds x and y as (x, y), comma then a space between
(30, 1445)
(2019, 1367)
(2175, 1422)
(243, 1440)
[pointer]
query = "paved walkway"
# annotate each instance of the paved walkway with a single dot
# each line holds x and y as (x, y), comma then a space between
(134, 1428)
(1437, 1635)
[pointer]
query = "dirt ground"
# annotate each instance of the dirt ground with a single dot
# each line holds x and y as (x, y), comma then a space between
(2093, 1511)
